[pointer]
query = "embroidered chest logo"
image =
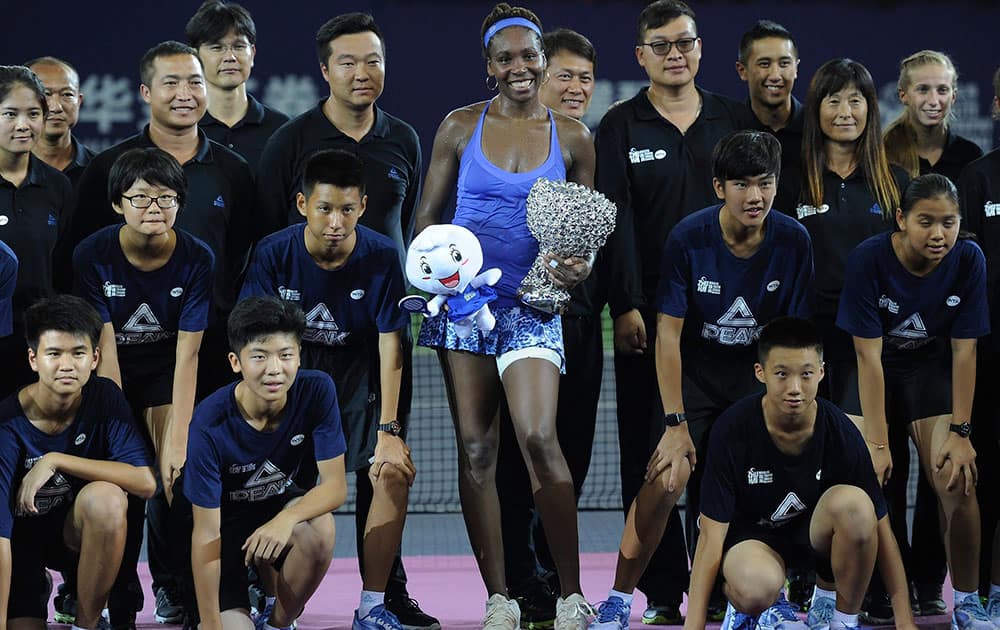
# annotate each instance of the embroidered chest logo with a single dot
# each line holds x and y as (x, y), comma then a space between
(888, 304)
(266, 482)
(736, 327)
(637, 156)
(112, 290)
(708, 286)
(755, 477)
(804, 210)
(290, 295)
(322, 328)
(991, 209)
(142, 327)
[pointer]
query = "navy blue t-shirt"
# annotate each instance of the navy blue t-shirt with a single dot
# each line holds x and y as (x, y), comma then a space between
(343, 307)
(102, 429)
(750, 483)
(230, 464)
(882, 299)
(145, 306)
(726, 300)
(8, 281)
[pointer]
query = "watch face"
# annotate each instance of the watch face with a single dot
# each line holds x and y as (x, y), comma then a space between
(963, 429)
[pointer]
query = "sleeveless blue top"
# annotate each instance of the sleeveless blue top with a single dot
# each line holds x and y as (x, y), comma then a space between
(492, 205)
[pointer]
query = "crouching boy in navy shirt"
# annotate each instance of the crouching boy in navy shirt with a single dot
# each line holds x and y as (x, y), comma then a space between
(69, 452)
(246, 443)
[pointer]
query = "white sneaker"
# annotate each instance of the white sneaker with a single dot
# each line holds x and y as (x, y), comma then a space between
(573, 613)
(501, 614)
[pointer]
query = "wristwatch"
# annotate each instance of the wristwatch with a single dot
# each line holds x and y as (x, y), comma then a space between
(963, 430)
(674, 419)
(392, 427)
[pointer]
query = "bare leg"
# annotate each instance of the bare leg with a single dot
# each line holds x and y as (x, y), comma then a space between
(843, 527)
(384, 527)
(644, 526)
(304, 568)
(475, 397)
(961, 513)
(236, 619)
(532, 387)
(96, 528)
(754, 574)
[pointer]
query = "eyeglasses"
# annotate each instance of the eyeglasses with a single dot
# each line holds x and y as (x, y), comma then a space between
(662, 48)
(237, 48)
(141, 202)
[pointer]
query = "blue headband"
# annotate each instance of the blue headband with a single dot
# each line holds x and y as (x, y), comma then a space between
(502, 24)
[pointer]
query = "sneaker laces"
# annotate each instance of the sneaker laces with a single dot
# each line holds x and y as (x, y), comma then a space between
(569, 610)
(499, 609)
(973, 608)
(821, 610)
(610, 609)
(382, 617)
(993, 607)
(783, 610)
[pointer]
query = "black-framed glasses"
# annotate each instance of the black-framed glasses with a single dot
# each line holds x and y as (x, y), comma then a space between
(141, 202)
(662, 48)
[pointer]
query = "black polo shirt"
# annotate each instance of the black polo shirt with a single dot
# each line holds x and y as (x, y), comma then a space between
(656, 175)
(82, 155)
(790, 138)
(248, 136)
(851, 215)
(390, 151)
(957, 154)
(979, 184)
(32, 223)
(219, 210)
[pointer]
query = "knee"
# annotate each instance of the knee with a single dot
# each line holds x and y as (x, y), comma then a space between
(480, 454)
(954, 497)
(390, 480)
(316, 537)
(852, 513)
(542, 447)
(103, 506)
(752, 592)
(662, 481)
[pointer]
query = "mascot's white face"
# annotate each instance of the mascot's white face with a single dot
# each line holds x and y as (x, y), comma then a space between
(443, 259)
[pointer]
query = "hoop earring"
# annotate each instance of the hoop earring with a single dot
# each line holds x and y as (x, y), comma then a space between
(496, 83)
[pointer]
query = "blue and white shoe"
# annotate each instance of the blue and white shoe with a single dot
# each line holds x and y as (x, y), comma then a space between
(993, 609)
(820, 613)
(780, 616)
(378, 618)
(735, 620)
(612, 614)
(969, 614)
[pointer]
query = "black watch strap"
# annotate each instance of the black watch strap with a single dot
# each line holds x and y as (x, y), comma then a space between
(393, 427)
(674, 419)
(963, 429)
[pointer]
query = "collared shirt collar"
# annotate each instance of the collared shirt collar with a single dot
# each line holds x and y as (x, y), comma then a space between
(204, 154)
(35, 175)
(81, 155)
(380, 128)
(254, 115)
(794, 121)
(711, 108)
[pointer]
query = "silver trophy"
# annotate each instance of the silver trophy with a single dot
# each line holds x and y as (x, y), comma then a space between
(567, 219)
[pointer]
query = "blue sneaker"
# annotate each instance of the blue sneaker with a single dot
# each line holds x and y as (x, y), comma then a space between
(780, 616)
(735, 620)
(612, 614)
(820, 613)
(969, 614)
(377, 619)
(993, 609)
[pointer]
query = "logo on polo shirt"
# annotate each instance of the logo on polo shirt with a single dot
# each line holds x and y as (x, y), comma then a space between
(953, 300)
(755, 477)
(990, 209)
(297, 439)
(53, 219)
(112, 290)
(773, 285)
(394, 174)
(637, 156)
(4, 219)
(708, 286)
(875, 209)
(804, 210)
(357, 294)
(80, 439)
(322, 328)
(142, 327)
(888, 304)
(290, 295)
(790, 507)
(267, 482)
(736, 327)
(176, 291)
(219, 202)
(911, 333)
(55, 491)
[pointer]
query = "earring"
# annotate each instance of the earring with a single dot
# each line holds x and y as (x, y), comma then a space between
(493, 87)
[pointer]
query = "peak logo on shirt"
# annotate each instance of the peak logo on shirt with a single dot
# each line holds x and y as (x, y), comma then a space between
(51, 495)
(637, 156)
(268, 481)
(219, 202)
(790, 507)
(736, 327)
(141, 327)
(910, 334)
(322, 328)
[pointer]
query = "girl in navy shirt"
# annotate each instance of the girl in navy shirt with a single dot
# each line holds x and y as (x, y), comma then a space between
(907, 295)
(152, 286)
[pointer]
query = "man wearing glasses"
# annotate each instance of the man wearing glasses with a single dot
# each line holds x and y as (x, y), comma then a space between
(226, 40)
(219, 210)
(654, 161)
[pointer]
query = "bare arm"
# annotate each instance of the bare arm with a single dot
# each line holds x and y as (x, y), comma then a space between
(956, 448)
(575, 136)
(391, 449)
(443, 170)
(108, 366)
(675, 444)
(182, 406)
(704, 569)
(267, 541)
(890, 564)
(137, 480)
(5, 560)
(206, 563)
(871, 390)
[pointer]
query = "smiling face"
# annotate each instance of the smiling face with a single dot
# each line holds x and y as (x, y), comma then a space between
(517, 62)
(176, 95)
(443, 259)
(570, 84)
(63, 361)
(843, 115)
(930, 94)
(930, 228)
(355, 70)
(675, 69)
(791, 376)
(21, 120)
(770, 71)
(747, 200)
